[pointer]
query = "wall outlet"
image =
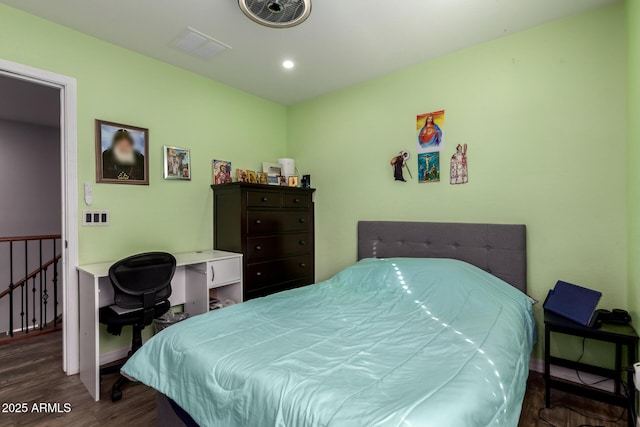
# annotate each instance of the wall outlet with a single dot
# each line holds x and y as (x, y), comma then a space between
(90, 218)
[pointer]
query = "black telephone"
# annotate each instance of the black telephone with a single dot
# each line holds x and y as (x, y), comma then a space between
(614, 317)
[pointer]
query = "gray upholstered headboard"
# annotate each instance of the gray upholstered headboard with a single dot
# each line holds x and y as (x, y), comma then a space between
(498, 249)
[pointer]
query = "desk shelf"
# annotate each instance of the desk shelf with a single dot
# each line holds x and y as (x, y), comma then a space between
(221, 279)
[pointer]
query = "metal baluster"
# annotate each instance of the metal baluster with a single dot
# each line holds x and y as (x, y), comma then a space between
(33, 301)
(55, 286)
(11, 288)
(25, 298)
(40, 274)
(45, 296)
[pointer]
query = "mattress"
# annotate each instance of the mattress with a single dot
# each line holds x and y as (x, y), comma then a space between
(385, 342)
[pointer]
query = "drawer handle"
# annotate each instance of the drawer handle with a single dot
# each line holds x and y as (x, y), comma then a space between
(213, 274)
(296, 200)
(302, 242)
(258, 248)
(265, 199)
(303, 265)
(302, 220)
(259, 273)
(258, 221)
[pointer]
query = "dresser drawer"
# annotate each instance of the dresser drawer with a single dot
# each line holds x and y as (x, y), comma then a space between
(280, 246)
(278, 287)
(273, 222)
(265, 199)
(264, 274)
(292, 200)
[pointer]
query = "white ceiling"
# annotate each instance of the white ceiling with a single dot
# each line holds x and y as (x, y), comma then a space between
(27, 102)
(343, 42)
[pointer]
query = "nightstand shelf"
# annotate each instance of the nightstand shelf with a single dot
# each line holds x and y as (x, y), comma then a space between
(619, 335)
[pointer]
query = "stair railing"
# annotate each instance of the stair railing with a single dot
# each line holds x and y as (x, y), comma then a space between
(34, 283)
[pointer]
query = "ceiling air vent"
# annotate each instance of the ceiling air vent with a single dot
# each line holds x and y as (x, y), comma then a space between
(276, 13)
(198, 44)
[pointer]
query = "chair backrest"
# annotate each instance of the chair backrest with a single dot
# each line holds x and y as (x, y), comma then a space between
(142, 280)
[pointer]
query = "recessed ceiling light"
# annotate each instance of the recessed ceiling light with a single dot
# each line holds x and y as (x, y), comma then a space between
(288, 64)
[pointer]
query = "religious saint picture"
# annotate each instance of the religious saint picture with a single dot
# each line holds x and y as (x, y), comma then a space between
(398, 163)
(459, 173)
(263, 178)
(177, 163)
(429, 167)
(429, 131)
(241, 175)
(221, 172)
(121, 153)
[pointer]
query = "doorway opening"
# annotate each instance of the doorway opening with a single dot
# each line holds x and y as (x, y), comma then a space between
(39, 209)
(31, 210)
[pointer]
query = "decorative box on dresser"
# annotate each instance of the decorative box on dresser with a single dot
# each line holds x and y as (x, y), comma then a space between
(273, 227)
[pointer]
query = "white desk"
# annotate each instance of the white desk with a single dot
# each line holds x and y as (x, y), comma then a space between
(198, 276)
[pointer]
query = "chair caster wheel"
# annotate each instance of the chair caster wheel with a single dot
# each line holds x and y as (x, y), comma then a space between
(116, 395)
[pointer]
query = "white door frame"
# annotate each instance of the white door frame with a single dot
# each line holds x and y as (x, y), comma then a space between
(69, 182)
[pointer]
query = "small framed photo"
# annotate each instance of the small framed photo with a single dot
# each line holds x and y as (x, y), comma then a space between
(272, 168)
(121, 153)
(221, 172)
(272, 179)
(241, 175)
(177, 163)
(251, 177)
(293, 181)
(263, 178)
(283, 180)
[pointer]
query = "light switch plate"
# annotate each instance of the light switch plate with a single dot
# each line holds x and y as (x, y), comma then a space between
(95, 218)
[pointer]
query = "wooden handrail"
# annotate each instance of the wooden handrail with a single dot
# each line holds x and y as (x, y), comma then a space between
(28, 238)
(31, 275)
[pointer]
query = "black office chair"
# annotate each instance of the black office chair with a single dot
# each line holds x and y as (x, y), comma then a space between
(142, 287)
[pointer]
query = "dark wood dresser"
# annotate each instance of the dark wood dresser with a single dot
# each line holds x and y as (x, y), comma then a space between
(273, 227)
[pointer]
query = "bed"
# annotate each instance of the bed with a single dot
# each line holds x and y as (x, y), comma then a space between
(431, 327)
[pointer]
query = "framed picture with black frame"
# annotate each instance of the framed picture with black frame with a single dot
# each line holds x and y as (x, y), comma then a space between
(122, 153)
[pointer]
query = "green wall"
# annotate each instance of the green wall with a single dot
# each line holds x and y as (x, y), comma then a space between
(179, 108)
(543, 115)
(543, 112)
(633, 154)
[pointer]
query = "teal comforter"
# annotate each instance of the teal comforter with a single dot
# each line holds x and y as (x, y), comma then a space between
(393, 342)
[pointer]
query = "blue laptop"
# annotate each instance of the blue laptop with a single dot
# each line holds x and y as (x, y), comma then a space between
(573, 302)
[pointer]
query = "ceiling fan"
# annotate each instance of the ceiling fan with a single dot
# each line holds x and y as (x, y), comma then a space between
(276, 13)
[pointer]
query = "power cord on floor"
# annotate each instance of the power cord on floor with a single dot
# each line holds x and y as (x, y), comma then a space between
(597, 419)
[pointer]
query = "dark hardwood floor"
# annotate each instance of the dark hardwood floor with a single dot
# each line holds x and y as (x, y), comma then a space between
(31, 371)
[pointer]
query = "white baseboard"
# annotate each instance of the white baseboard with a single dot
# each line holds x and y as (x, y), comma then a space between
(537, 365)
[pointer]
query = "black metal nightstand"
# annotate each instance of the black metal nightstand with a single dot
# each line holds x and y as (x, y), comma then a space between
(618, 335)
